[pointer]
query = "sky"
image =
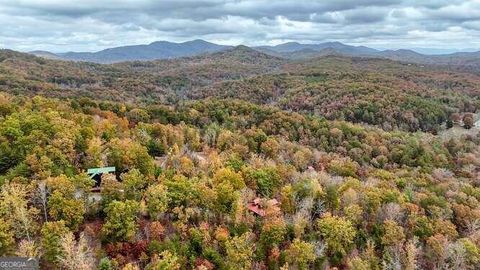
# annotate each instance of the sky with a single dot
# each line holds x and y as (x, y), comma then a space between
(92, 25)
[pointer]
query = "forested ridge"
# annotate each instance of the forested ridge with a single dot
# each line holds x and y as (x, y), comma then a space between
(238, 160)
(385, 93)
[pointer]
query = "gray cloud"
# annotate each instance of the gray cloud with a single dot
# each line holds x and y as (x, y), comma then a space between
(90, 25)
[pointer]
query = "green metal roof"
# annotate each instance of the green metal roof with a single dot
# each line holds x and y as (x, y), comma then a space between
(101, 170)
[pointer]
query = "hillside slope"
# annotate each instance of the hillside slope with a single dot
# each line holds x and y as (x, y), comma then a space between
(376, 91)
(160, 81)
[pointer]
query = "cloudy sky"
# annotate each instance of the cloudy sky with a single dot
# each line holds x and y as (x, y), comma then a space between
(91, 25)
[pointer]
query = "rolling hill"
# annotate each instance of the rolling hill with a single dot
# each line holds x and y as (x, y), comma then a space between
(160, 81)
(377, 91)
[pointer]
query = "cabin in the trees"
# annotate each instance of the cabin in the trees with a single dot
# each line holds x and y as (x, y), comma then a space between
(96, 174)
(257, 205)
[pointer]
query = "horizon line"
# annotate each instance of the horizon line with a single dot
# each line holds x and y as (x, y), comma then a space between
(417, 49)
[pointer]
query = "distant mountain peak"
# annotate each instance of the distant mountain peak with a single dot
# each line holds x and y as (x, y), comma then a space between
(335, 43)
(160, 42)
(198, 41)
(153, 51)
(190, 42)
(243, 48)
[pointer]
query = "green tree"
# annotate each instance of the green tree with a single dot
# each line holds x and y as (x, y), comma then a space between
(338, 234)
(61, 184)
(105, 264)
(52, 234)
(255, 138)
(6, 238)
(138, 115)
(472, 251)
(300, 254)
(67, 209)
(165, 261)
(273, 232)
(240, 251)
(121, 221)
(181, 191)
(134, 183)
(393, 233)
(157, 200)
(227, 175)
(94, 153)
(226, 197)
(358, 263)
(266, 180)
(126, 154)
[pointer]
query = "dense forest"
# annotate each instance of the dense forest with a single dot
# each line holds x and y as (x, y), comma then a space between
(391, 95)
(238, 160)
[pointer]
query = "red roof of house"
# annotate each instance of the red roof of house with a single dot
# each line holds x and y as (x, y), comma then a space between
(256, 206)
(256, 209)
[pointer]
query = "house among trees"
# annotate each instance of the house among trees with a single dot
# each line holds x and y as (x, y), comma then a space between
(257, 205)
(96, 174)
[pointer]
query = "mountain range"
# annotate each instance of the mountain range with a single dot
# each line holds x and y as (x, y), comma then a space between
(152, 51)
(291, 50)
